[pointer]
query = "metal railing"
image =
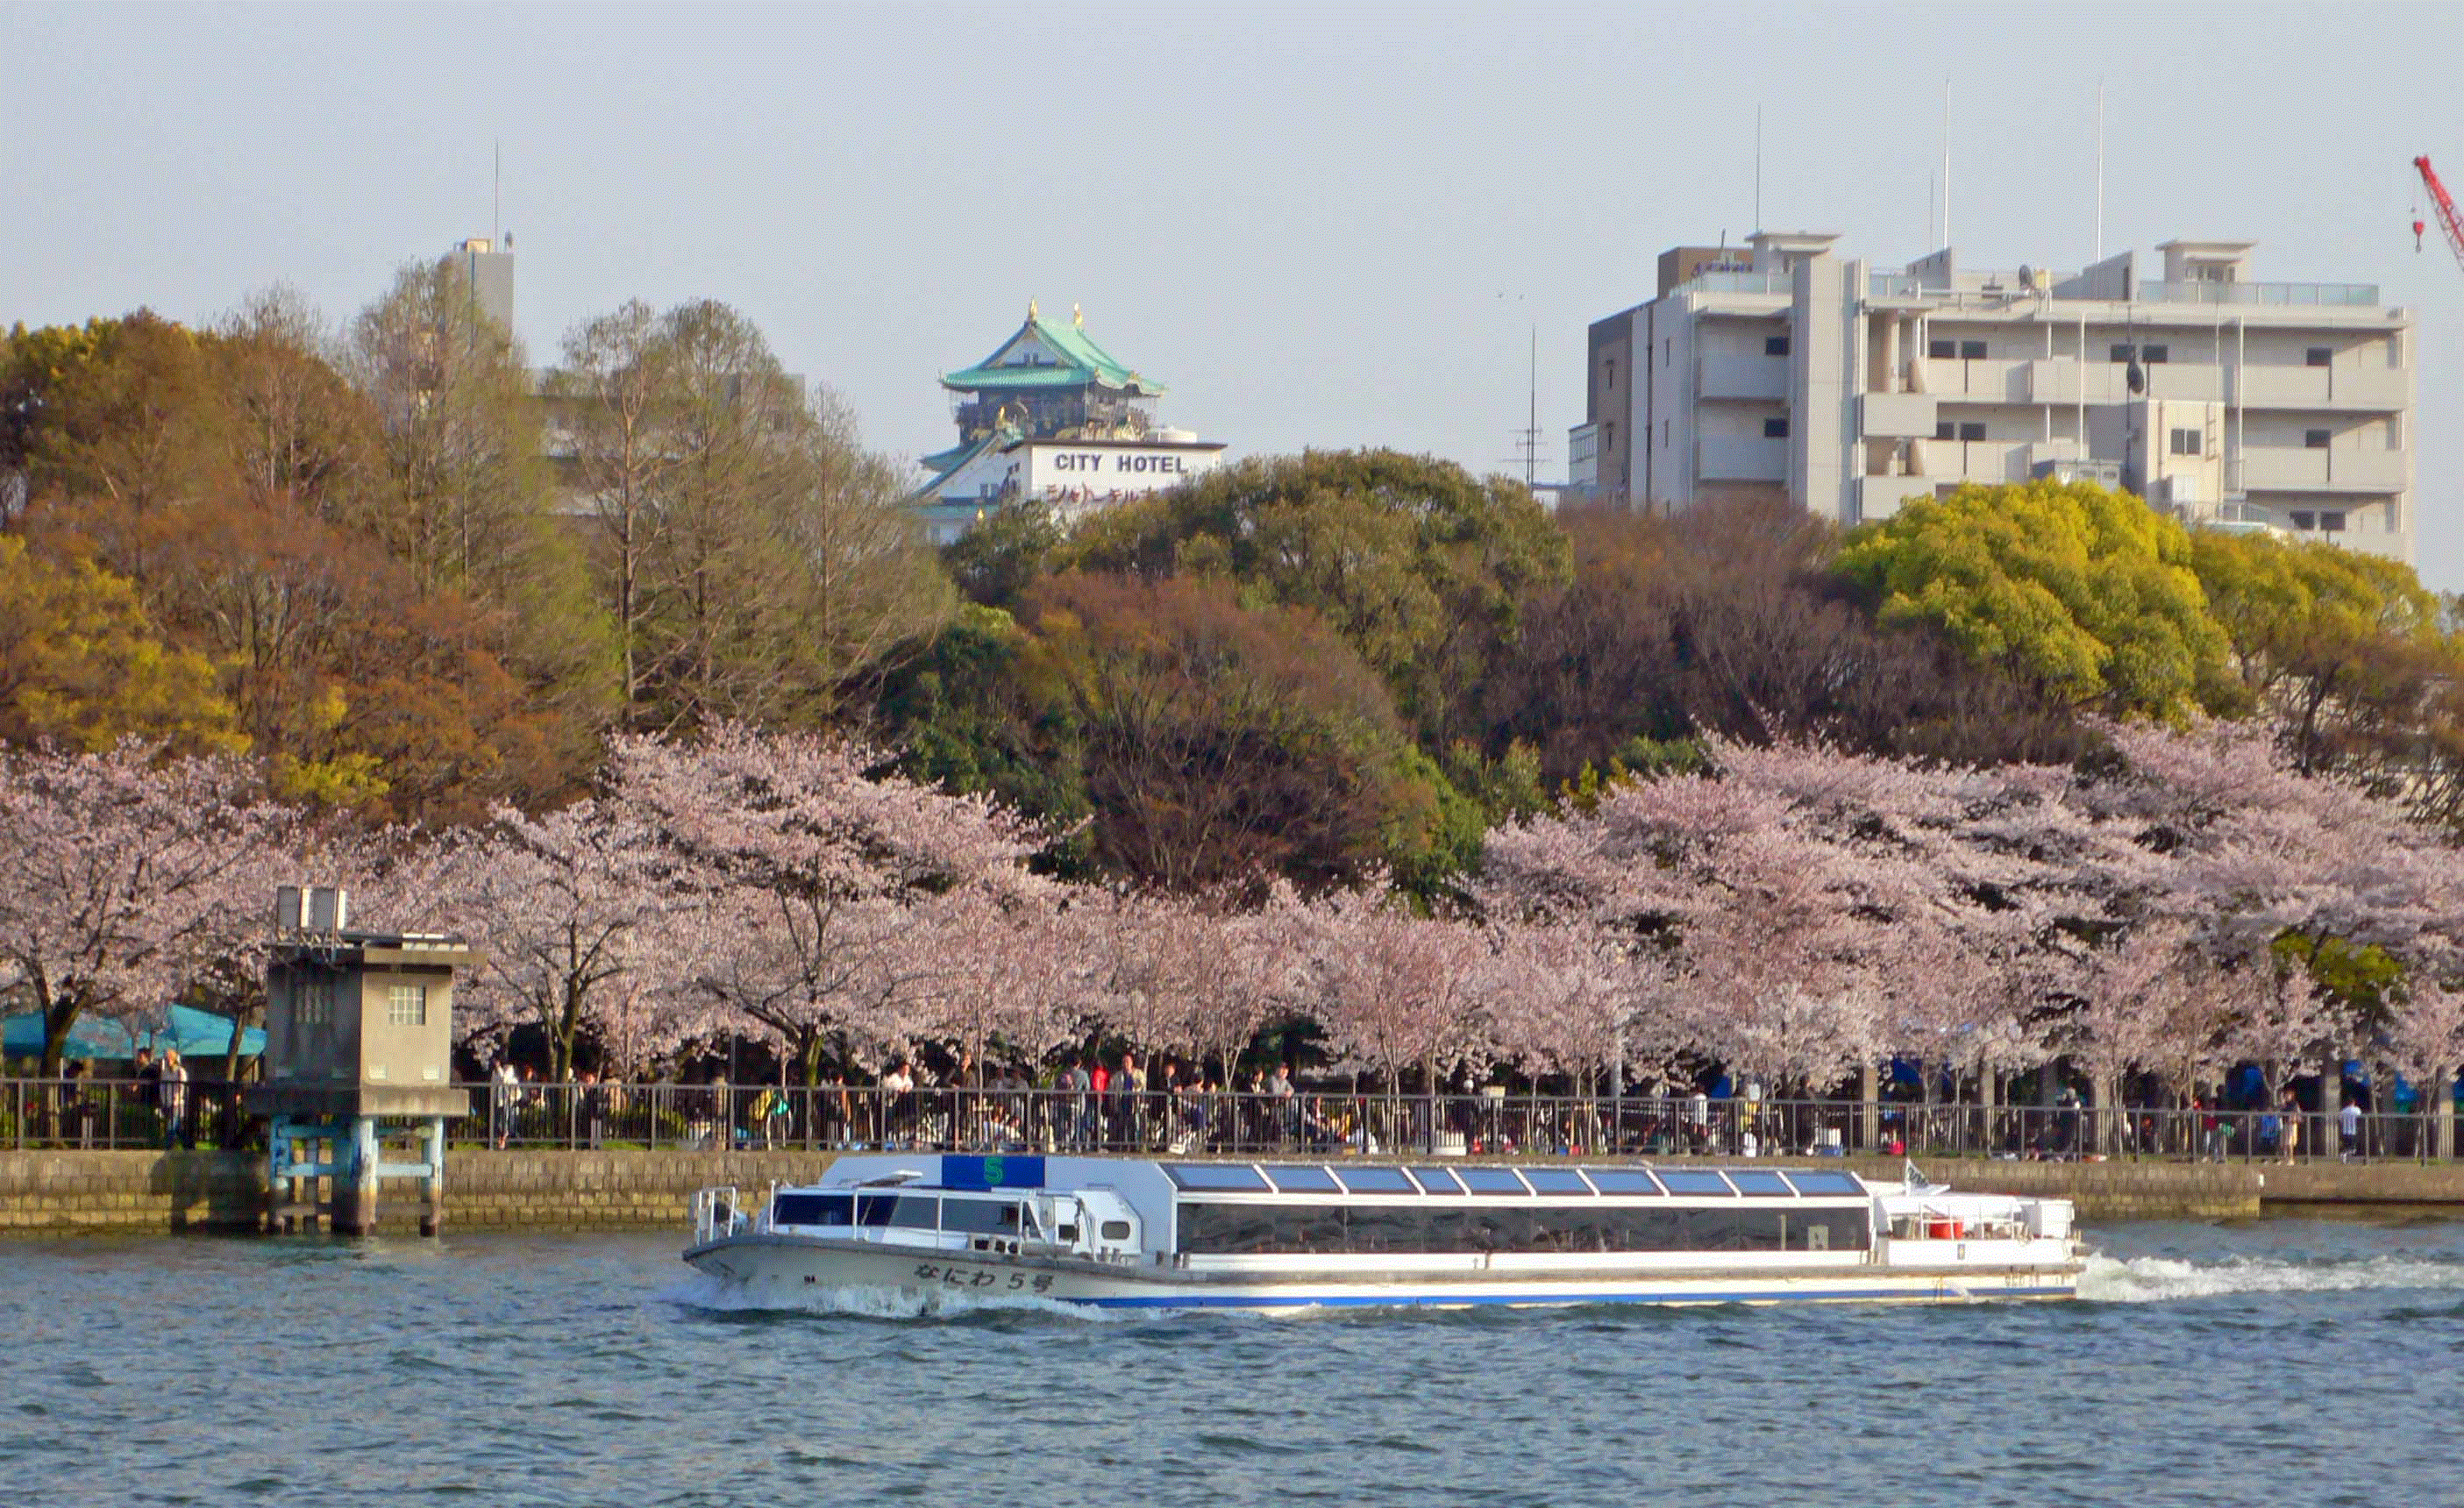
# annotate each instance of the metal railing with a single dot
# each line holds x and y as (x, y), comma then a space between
(2346, 295)
(126, 1114)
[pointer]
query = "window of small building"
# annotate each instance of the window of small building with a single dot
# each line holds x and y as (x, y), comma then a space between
(1943, 350)
(1972, 429)
(2314, 439)
(1774, 345)
(1776, 429)
(2304, 519)
(1946, 429)
(312, 999)
(2154, 354)
(2185, 441)
(2122, 351)
(1971, 349)
(2331, 523)
(2321, 356)
(407, 1005)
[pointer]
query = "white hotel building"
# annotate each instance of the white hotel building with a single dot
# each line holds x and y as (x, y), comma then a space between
(1782, 369)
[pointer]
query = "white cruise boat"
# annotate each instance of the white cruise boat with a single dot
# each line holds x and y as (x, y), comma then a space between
(1129, 1233)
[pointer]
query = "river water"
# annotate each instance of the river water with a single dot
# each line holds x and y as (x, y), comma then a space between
(2277, 1360)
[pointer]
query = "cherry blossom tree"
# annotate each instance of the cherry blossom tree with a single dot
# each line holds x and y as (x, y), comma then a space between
(816, 872)
(567, 911)
(126, 874)
(1397, 991)
(2425, 1040)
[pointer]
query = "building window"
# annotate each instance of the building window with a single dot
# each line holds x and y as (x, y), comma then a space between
(1943, 350)
(2185, 441)
(2331, 523)
(1776, 429)
(2321, 355)
(1612, 371)
(312, 1000)
(2122, 352)
(2153, 353)
(1664, 433)
(1774, 345)
(407, 1005)
(1945, 429)
(2314, 439)
(1972, 429)
(1668, 350)
(2304, 519)
(1971, 349)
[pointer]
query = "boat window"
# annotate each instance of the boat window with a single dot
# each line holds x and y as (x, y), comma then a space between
(1436, 1180)
(1282, 1230)
(1693, 1180)
(812, 1209)
(1825, 1182)
(1555, 1180)
(981, 1217)
(1376, 1180)
(1116, 1229)
(1758, 1181)
(920, 1212)
(1621, 1180)
(1303, 1180)
(873, 1209)
(1216, 1177)
(1492, 1180)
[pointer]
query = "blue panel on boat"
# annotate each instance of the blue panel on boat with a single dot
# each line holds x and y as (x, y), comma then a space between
(1436, 1180)
(1760, 1182)
(991, 1173)
(1693, 1180)
(1492, 1180)
(1825, 1182)
(1216, 1177)
(1303, 1180)
(1376, 1180)
(1622, 1180)
(1555, 1180)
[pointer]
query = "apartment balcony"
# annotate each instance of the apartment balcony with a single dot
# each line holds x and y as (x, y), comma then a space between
(1980, 382)
(1740, 458)
(1881, 497)
(1899, 416)
(1762, 378)
(2287, 469)
(2320, 389)
(1583, 456)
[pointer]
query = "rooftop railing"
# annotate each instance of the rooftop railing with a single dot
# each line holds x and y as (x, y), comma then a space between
(2338, 296)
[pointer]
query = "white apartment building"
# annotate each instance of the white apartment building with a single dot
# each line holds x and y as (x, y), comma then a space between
(1781, 369)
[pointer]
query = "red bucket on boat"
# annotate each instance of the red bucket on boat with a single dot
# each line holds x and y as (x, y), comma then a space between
(1943, 1228)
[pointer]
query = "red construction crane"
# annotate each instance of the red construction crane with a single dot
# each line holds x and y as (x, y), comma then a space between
(2444, 207)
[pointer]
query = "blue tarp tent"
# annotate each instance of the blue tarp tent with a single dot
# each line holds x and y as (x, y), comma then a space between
(195, 1033)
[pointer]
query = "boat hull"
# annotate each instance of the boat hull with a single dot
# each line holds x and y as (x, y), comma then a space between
(776, 1268)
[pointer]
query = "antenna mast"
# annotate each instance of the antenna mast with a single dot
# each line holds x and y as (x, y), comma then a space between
(1758, 167)
(1946, 161)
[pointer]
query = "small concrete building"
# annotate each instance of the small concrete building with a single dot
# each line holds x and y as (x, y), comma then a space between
(1781, 369)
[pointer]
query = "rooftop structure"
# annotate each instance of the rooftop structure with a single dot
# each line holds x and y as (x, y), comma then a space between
(1051, 416)
(1783, 370)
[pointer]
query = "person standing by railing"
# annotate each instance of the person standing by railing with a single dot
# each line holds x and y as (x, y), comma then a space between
(504, 1091)
(175, 1102)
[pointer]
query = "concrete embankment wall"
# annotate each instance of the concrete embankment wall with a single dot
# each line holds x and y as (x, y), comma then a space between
(153, 1192)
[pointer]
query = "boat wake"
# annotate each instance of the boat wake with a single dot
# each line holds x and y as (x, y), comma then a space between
(701, 1291)
(2156, 1279)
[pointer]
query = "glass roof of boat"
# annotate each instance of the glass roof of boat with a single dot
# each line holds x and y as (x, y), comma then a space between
(1553, 1180)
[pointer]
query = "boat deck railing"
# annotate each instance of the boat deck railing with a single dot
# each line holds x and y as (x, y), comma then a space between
(114, 1114)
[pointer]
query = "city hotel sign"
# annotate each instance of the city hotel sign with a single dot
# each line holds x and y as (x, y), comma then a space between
(1077, 472)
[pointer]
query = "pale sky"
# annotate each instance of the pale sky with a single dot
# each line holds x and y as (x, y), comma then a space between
(1321, 225)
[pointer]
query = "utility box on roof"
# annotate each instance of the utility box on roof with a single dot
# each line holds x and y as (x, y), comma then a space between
(357, 1023)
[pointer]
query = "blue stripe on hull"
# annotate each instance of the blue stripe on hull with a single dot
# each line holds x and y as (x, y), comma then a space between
(1453, 1300)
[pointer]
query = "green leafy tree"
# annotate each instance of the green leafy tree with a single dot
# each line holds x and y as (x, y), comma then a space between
(2084, 593)
(82, 666)
(1423, 568)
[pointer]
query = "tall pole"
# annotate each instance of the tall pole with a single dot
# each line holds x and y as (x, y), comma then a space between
(2099, 170)
(1758, 167)
(1531, 445)
(1945, 161)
